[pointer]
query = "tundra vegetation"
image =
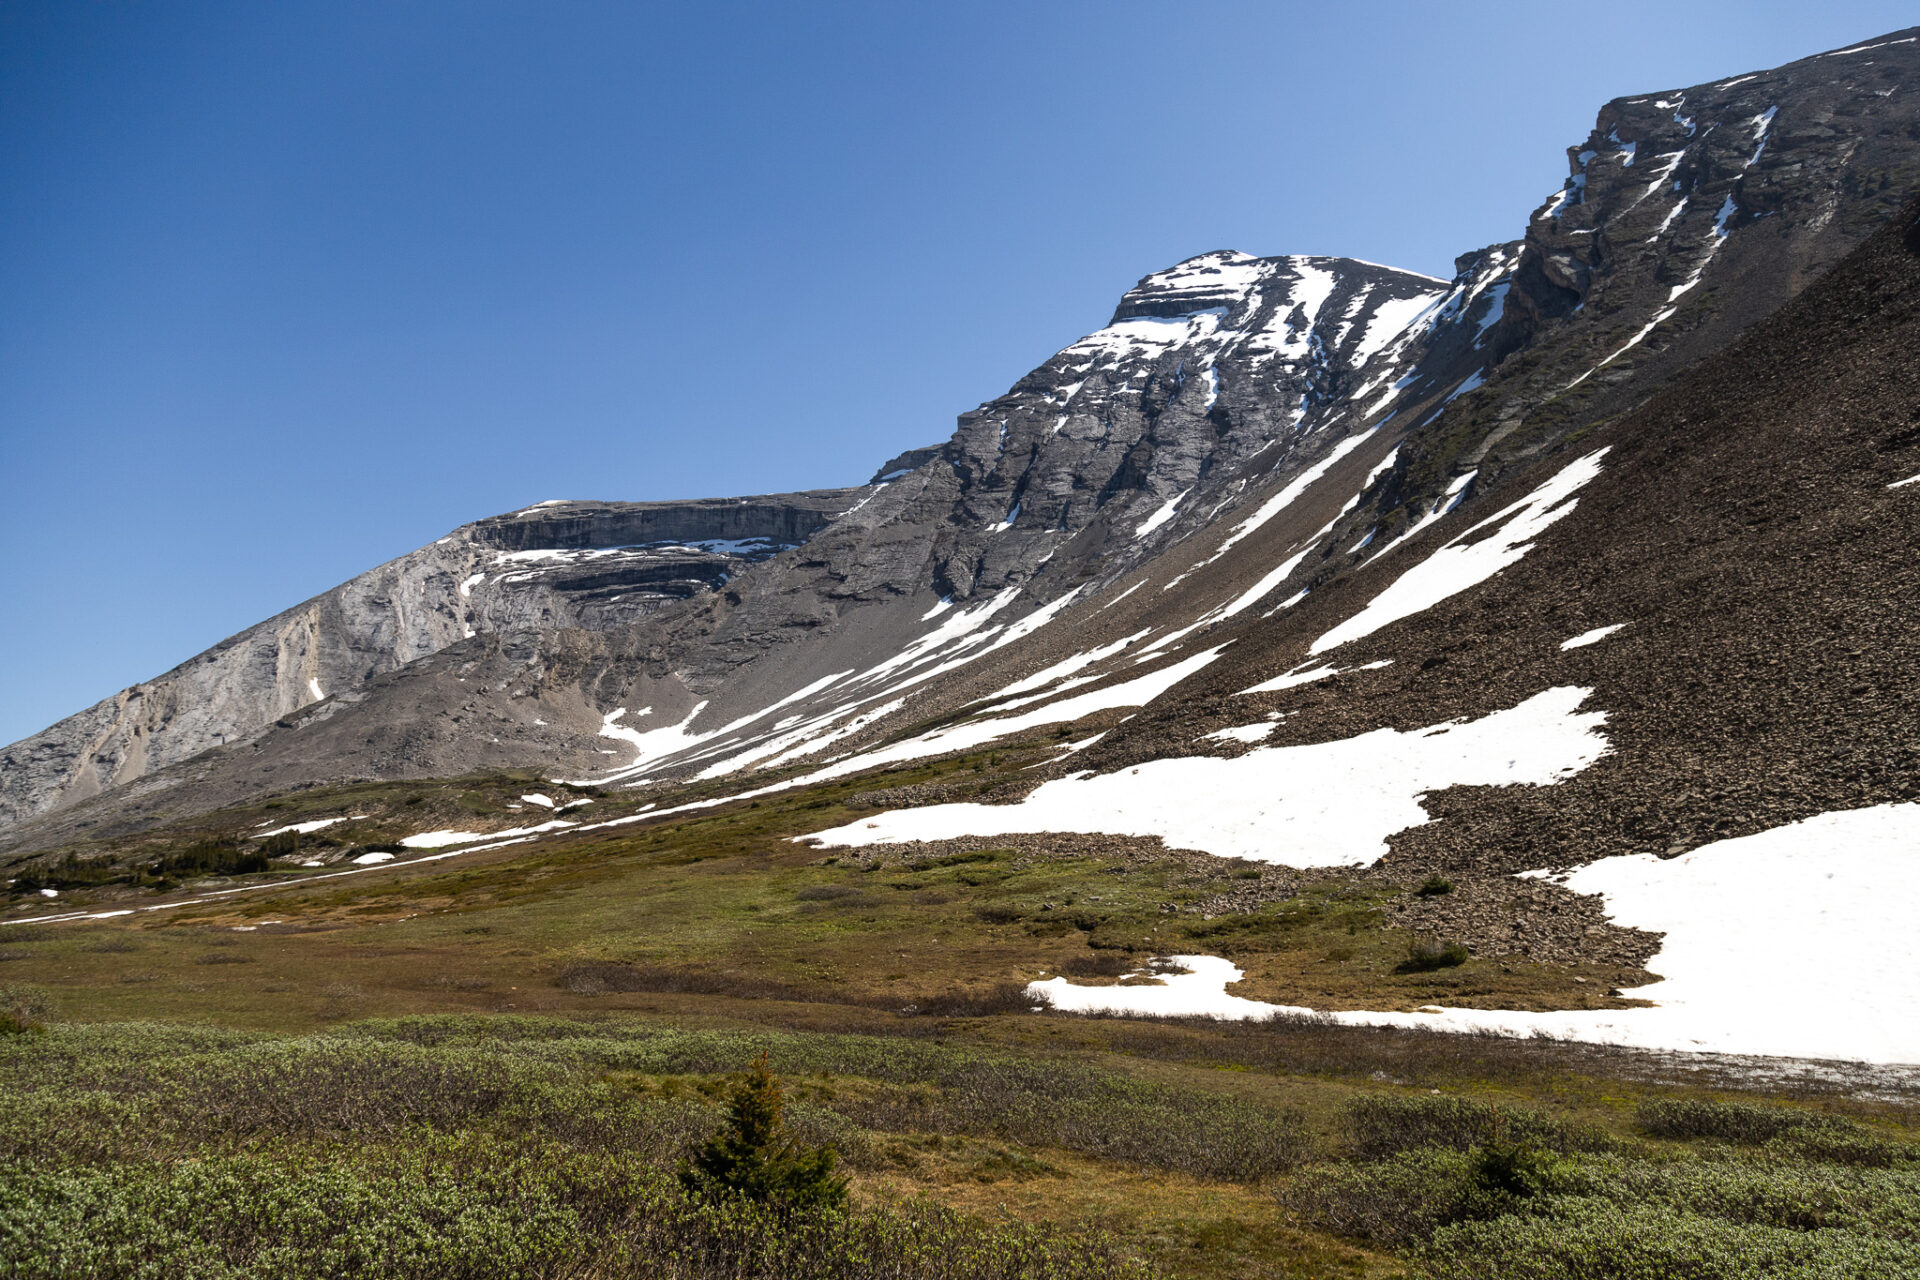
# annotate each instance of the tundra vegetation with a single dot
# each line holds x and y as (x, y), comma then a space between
(691, 1047)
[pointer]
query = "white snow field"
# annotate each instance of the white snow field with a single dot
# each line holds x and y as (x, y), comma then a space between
(1796, 942)
(1326, 804)
(441, 839)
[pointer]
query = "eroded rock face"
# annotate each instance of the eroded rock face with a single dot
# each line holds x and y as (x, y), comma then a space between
(1118, 444)
(1687, 216)
(588, 565)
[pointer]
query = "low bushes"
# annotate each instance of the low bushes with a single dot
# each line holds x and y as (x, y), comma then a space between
(1375, 1127)
(429, 1149)
(1425, 956)
(452, 1210)
(1744, 1122)
(1470, 1192)
(1583, 1239)
(22, 1006)
(453, 1147)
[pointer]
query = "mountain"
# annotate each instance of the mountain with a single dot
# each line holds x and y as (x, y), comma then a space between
(1687, 215)
(1596, 552)
(592, 565)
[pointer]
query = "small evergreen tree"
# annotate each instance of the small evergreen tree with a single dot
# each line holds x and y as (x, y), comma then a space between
(754, 1158)
(1505, 1171)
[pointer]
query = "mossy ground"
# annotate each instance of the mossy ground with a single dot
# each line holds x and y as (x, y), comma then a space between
(717, 920)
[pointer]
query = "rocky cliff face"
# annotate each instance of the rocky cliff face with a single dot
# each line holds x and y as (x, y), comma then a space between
(1116, 445)
(1225, 390)
(1686, 216)
(560, 565)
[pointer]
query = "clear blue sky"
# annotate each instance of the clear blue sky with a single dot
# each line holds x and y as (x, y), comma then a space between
(288, 289)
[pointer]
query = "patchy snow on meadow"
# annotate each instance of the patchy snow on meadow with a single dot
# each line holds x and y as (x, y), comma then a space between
(1195, 987)
(1795, 942)
(1328, 804)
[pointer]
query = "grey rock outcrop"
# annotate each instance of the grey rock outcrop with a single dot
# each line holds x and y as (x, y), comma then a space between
(590, 565)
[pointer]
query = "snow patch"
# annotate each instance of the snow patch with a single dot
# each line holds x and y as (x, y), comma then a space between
(1065, 667)
(301, 828)
(1456, 567)
(969, 734)
(1390, 320)
(1304, 674)
(1808, 951)
(1186, 987)
(1288, 496)
(1594, 636)
(441, 839)
(1318, 805)
(1162, 515)
(1249, 733)
(1862, 48)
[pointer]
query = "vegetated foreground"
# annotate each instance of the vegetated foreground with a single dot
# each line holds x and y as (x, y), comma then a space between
(512, 1146)
(497, 1064)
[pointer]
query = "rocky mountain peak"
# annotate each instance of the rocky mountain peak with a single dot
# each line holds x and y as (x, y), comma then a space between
(1219, 387)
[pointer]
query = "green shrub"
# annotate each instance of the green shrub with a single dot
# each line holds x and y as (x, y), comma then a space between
(1434, 885)
(1742, 1122)
(1840, 1144)
(1581, 1239)
(443, 1209)
(1377, 1126)
(22, 1007)
(1425, 955)
(1395, 1202)
(69, 872)
(208, 859)
(1509, 1170)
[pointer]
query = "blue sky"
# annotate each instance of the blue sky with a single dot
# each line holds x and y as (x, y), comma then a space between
(289, 289)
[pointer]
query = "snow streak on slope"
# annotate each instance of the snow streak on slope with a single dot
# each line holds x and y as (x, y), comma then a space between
(1288, 496)
(1461, 564)
(1729, 206)
(1806, 951)
(1323, 805)
(1594, 636)
(973, 733)
(963, 636)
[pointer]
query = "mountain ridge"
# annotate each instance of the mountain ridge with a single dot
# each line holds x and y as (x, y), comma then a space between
(1217, 384)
